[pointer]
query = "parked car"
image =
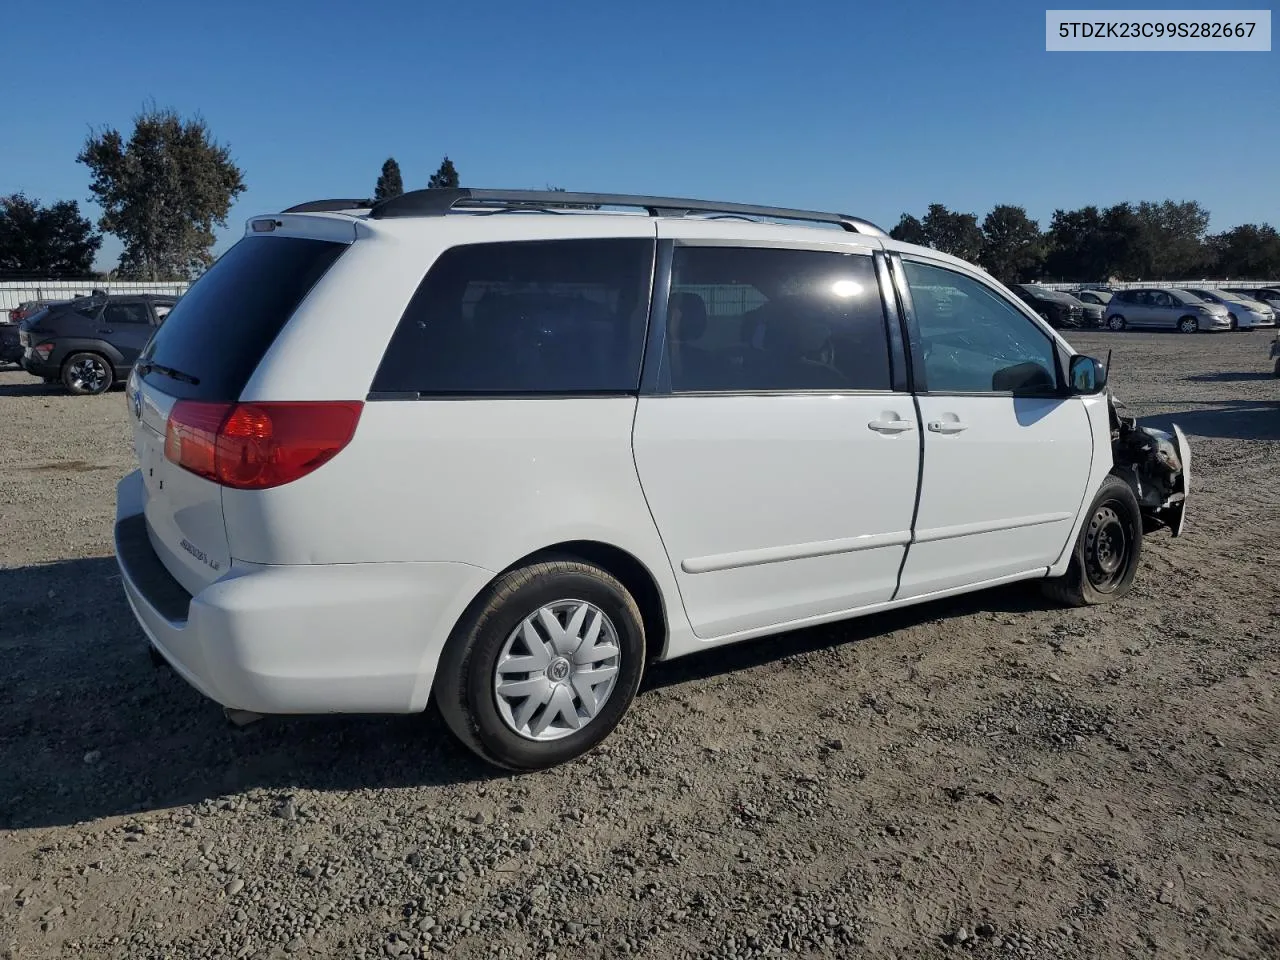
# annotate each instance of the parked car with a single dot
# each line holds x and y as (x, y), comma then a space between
(10, 345)
(1097, 298)
(1060, 309)
(678, 432)
(28, 308)
(92, 342)
(1275, 353)
(1244, 312)
(1165, 309)
(1268, 295)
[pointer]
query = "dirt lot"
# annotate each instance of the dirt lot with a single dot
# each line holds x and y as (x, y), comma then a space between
(989, 776)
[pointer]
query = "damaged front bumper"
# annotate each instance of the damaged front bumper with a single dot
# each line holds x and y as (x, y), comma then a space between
(1157, 465)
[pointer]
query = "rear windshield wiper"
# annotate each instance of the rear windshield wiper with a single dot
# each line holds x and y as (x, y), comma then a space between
(146, 366)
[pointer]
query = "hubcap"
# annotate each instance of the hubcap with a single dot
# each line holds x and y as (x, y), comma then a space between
(88, 375)
(1106, 549)
(557, 670)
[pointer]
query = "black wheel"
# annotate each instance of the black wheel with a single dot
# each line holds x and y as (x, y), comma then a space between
(1116, 322)
(542, 666)
(1189, 325)
(87, 373)
(1105, 559)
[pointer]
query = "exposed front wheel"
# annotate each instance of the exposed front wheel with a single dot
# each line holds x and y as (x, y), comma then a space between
(1235, 322)
(1116, 322)
(1105, 559)
(87, 373)
(1188, 325)
(543, 665)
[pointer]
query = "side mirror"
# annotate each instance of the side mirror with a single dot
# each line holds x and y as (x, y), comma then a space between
(1087, 376)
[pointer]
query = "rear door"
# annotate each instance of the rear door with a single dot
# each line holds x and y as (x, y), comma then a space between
(126, 325)
(209, 346)
(778, 455)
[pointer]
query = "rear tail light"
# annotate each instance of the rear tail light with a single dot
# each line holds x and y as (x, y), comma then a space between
(254, 446)
(43, 350)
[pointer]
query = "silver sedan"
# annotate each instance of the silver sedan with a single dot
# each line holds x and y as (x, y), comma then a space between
(1244, 312)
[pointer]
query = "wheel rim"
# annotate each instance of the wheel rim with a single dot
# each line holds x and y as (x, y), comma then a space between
(1107, 548)
(557, 670)
(1189, 325)
(1115, 323)
(89, 374)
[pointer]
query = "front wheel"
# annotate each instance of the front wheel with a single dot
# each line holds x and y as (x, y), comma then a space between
(1188, 325)
(1105, 559)
(87, 374)
(543, 665)
(1235, 322)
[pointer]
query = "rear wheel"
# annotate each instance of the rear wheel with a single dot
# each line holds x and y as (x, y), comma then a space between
(543, 665)
(1188, 325)
(1105, 559)
(86, 374)
(1116, 322)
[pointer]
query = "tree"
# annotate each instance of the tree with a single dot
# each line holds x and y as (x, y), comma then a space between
(53, 241)
(1171, 239)
(446, 176)
(909, 230)
(1012, 246)
(162, 192)
(955, 233)
(389, 182)
(1249, 251)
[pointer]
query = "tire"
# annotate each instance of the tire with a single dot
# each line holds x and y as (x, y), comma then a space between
(1116, 322)
(1276, 372)
(87, 374)
(1096, 574)
(1235, 323)
(493, 631)
(1188, 325)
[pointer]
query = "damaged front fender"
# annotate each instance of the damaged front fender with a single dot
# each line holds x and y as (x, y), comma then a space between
(1156, 464)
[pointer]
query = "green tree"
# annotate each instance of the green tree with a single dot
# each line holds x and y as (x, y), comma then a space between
(1171, 239)
(1012, 246)
(1074, 245)
(951, 232)
(909, 230)
(445, 176)
(389, 183)
(46, 241)
(162, 192)
(1250, 251)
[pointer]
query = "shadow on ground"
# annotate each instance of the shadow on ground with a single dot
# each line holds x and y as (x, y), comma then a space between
(84, 714)
(1224, 420)
(1225, 376)
(31, 388)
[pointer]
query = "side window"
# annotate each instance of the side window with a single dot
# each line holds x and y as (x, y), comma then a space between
(115, 313)
(973, 340)
(546, 316)
(1161, 299)
(162, 311)
(744, 319)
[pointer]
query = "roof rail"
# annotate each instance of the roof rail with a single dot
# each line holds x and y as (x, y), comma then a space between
(437, 202)
(324, 206)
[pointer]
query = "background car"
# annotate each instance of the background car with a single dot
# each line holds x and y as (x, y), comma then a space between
(1268, 295)
(1244, 312)
(1060, 309)
(1167, 308)
(1097, 298)
(90, 343)
(29, 308)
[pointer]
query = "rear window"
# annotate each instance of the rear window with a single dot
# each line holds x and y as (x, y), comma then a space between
(531, 317)
(222, 327)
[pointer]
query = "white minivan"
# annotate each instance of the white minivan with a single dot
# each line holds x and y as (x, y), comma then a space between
(501, 449)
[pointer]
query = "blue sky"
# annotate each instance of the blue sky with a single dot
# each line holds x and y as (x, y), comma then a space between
(864, 107)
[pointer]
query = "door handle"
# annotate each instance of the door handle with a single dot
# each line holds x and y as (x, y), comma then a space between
(891, 426)
(947, 426)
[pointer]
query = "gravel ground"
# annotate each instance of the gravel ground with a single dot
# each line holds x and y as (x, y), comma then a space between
(989, 775)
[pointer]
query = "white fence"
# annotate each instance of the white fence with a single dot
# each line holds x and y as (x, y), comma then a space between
(1165, 285)
(14, 292)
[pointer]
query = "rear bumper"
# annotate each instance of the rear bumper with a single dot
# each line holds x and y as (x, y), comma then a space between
(38, 369)
(315, 638)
